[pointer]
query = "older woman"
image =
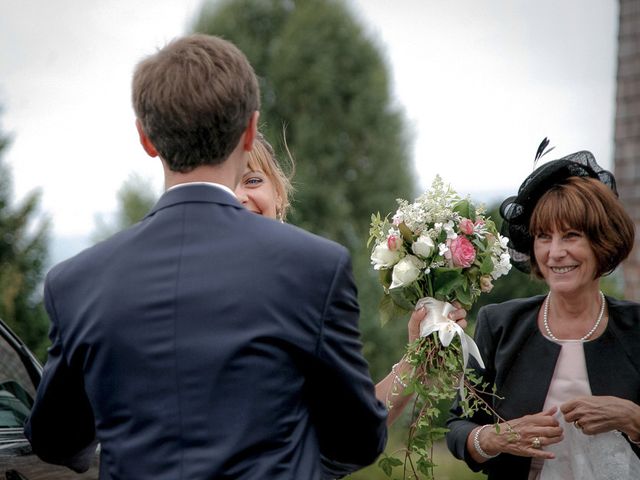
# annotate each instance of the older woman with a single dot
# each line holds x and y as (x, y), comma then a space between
(565, 366)
(265, 190)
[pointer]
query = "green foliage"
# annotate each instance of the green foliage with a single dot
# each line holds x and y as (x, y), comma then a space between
(448, 468)
(23, 254)
(325, 81)
(135, 199)
(434, 381)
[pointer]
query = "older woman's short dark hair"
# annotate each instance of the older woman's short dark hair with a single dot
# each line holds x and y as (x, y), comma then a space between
(587, 205)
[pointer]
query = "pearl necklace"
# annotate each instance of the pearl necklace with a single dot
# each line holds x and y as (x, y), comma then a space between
(545, 318)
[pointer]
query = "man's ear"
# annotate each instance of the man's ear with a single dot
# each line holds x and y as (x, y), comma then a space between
(145, 142)
(251, 132)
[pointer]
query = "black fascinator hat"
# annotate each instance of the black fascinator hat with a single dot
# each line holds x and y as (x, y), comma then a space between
(516, 211)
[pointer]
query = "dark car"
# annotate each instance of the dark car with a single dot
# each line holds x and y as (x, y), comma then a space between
(20, 374)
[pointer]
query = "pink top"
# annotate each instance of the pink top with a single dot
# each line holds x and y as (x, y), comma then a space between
(570, 380)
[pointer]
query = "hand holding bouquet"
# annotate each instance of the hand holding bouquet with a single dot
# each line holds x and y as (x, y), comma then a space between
(436, 250)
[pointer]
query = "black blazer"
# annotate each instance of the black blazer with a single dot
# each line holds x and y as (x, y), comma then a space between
(207, 342)
(520, 362)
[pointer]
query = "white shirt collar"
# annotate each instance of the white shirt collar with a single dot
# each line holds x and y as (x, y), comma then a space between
(213, 184)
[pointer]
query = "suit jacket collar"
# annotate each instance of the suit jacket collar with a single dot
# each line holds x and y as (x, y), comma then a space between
(194, 193)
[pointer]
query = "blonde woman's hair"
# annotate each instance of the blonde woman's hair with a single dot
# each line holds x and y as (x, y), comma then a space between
(262, 157)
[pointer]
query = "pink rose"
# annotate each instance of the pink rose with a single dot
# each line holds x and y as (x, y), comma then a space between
(466, 226)
(462, 252)
(392, 242)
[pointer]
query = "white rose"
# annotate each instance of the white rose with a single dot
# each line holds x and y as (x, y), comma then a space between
(382, 257)
(423, 246)
(406, 271)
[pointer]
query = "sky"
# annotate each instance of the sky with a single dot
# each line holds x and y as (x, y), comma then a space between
(481, 82)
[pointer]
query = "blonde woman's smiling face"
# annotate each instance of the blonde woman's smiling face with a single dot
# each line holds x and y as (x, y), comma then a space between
(257, 193)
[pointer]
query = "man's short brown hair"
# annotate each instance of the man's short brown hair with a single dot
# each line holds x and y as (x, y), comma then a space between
(589, 206)
(194, 99)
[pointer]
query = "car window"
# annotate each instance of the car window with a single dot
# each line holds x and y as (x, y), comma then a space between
(16, 388)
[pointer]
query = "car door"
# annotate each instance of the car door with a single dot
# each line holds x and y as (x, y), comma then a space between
(20, 374)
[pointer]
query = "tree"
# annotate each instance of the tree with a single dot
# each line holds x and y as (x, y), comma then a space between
(325, 81)
(135, 198)
(23, 255)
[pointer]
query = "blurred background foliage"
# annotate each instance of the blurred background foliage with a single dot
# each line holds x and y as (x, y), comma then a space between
(135, 198)
(24, 239)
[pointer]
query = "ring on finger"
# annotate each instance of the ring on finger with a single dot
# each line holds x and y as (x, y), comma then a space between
(577, 425)
(536, 443)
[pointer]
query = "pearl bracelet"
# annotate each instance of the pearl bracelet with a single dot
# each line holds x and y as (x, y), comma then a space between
(396, 377)
(476, 444)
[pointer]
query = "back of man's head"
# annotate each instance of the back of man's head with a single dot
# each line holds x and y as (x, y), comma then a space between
(194, 99)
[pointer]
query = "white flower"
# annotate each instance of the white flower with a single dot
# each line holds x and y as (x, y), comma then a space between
(443, 250)
(423, 246)
(406, 271)
(449, 228)
(501, 267)
(382, 257)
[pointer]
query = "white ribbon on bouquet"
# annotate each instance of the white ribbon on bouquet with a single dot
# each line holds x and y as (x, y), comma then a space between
(437, 320)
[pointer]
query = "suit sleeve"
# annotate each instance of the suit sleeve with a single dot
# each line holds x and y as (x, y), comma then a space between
(61, 424)
(459, 426)
(349, 420)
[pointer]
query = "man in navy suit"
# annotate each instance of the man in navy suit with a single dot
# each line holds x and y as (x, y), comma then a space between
(205, 342)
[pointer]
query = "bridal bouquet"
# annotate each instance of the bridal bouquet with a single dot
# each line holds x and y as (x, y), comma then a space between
(436, 250)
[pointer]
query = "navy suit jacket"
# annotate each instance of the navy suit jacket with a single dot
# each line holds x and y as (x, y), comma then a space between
(520, 363)
(207, 342)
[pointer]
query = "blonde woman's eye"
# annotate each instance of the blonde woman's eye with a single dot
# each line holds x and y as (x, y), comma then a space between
(253, 181)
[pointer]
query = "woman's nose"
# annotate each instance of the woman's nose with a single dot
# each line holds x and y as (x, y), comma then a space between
(557, 249)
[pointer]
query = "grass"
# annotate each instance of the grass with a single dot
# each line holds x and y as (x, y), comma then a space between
(449, 467)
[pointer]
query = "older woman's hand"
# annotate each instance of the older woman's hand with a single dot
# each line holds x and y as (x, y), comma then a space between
(598, 414)
(459, 315)
(525, 436)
